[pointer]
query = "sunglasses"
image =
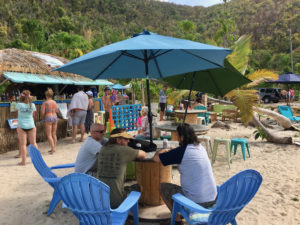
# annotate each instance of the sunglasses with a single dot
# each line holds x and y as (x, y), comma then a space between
(100, 131)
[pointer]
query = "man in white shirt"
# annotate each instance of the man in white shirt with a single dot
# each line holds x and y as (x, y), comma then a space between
(77, 111)
(88, 152)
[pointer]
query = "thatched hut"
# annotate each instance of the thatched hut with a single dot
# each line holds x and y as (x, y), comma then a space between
(20, 69)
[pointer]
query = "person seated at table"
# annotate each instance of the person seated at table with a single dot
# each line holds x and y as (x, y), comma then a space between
(112, 163)
(191, 156)
(197, 103)
(88, 152)
(144, 134)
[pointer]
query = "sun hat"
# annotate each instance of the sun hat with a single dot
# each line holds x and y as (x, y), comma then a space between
(123, 135)
(89, 93)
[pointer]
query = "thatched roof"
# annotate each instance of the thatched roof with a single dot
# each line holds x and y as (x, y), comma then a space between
(16, 60)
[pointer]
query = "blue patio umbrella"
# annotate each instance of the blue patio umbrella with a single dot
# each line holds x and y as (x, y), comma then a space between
(147, 55)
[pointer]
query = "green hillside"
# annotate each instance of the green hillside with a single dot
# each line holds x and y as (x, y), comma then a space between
(70, 28)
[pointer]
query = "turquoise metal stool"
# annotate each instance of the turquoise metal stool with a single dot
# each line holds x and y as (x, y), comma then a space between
(218, 141)
(240, 141)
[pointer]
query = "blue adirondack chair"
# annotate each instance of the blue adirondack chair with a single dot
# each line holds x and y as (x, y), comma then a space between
(88, 199)
(287, 112)
(46, 172)
(233, 196)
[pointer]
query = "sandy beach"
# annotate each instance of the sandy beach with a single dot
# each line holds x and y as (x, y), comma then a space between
(24, 196)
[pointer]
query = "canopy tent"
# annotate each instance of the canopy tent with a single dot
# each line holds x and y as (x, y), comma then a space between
(118, 87)
(287, 78)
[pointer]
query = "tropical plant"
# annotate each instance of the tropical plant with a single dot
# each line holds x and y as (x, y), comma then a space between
(259, 133)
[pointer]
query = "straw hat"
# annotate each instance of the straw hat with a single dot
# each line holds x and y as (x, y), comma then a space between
(123, 135)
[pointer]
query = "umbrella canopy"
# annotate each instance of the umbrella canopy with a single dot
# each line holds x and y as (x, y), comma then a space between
(287, 78)
(147, 55)
(217, 81)
(117, 87)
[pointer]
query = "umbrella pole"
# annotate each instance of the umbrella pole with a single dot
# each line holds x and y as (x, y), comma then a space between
(189, 98)
(149, 108)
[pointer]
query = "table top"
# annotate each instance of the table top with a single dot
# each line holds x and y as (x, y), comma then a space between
(159, 143)
(191, 111)
(173, 127)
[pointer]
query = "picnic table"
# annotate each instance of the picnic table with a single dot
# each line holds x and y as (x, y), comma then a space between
(191, 116)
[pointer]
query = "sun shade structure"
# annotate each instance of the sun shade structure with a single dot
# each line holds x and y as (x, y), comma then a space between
(17, 77)
(147, 55)
(118, 87)
(218, 81)
(287, 78)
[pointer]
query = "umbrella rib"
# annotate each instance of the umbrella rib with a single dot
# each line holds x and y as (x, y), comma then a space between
(109, 65)
(213, 80)
(202, 58)
(156, 56)
(156, 64)
(132, 56)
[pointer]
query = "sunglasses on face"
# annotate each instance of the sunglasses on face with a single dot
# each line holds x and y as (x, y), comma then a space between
(100, 131)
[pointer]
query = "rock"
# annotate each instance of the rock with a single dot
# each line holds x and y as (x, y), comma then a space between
(220, 124)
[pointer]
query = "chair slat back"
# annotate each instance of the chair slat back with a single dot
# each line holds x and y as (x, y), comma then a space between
(285, 111)
(86, 197)
(39, 163)
(233, 195)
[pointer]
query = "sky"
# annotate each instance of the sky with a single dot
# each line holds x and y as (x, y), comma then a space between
(205, 3)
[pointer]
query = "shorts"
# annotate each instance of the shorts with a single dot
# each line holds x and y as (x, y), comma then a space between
(51, 119)
(162, 106)
(78, 117)
(168, 189)
(106, 117)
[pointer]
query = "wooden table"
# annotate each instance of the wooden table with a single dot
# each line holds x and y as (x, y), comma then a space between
(191, 116)
(150, 174)
(199, 129)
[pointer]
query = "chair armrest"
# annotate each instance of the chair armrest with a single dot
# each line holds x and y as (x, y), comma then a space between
(52, 180)
(189, 204)
(62, 166)
(128, 203)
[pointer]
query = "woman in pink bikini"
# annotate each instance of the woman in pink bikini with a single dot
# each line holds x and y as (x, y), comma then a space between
(48, 111)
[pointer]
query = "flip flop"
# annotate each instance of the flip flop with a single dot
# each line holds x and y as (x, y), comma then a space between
(17, 156)
(21, 164)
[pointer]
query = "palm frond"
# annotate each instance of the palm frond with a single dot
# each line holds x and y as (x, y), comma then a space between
(245, 100)
(177, 96)
(264, 73)
(240, 56)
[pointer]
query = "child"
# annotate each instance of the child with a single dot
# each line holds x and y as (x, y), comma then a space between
(139, 122)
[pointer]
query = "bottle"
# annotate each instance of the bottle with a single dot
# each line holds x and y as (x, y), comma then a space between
(165, 143)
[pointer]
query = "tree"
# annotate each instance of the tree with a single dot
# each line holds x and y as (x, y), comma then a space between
(35, 33)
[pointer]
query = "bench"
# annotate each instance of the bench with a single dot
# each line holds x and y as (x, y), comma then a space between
(229, 114)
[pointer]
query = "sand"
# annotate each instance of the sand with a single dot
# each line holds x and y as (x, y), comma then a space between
(24, 196)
